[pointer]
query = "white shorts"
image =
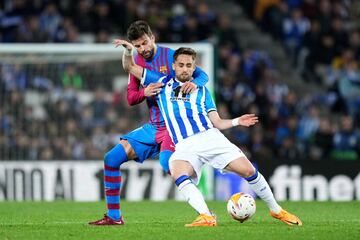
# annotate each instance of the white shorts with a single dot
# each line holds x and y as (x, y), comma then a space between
(210, 147)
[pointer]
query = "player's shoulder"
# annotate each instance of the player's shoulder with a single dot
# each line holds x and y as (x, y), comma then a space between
(166, 78)
(167, 49)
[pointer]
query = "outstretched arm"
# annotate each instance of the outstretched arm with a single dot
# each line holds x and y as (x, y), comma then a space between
(128, 59)
(246, 120)
(148, 78)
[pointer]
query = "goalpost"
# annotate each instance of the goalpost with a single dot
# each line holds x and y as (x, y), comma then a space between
(33, 82)
(85, 53)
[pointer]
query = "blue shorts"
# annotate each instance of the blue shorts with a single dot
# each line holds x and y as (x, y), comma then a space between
(143, 141)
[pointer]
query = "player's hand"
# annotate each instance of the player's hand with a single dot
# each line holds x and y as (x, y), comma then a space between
(124, 43)
(248, 120)
(188, 87)
(153, 89)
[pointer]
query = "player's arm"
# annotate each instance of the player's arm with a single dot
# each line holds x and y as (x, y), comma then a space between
(135, 94)
(200, 79)
(147, 77)
(245, 120)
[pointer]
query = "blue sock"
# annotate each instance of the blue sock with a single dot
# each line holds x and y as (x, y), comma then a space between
(253, 177)
(112, 179)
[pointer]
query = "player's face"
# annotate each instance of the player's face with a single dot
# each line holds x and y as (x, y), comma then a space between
(184, 67)
(145, 46)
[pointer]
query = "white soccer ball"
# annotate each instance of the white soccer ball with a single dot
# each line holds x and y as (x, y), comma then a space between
(241, 206)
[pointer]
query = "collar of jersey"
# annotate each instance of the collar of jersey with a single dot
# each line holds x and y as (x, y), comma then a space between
(181, 83)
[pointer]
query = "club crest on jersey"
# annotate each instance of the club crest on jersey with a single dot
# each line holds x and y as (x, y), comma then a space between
(163, 69)
(179, 96)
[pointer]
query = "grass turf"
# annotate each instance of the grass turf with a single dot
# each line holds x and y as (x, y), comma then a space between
(165, 220)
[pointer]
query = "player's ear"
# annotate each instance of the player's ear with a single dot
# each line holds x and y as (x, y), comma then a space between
(173, 66)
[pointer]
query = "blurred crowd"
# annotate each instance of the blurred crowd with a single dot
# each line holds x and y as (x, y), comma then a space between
(320, 36)
(98, 20)
(322, 40)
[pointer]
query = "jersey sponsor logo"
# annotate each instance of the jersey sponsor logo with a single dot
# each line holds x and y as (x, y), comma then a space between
(176, 95)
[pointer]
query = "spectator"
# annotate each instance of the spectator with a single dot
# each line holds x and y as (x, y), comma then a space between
(349, 88)
(30, 31)
(71, 78)
(321, 141)
(100, 106)
(294, 29)
(50, 19)
(346, 141)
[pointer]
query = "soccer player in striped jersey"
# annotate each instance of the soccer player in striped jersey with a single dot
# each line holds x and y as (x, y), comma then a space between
(152, 138)
(194, 124)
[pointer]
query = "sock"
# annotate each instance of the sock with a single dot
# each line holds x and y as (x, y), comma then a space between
(112, 180)
(192, 195)
(262, 189)
(164, 157)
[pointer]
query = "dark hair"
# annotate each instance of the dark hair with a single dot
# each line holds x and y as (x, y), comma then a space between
(186, 51)
(138, 29)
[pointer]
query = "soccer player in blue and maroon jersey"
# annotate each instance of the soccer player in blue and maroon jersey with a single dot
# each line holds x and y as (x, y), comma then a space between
(152, 138)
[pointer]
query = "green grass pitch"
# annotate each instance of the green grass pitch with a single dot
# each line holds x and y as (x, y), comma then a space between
(165, 220)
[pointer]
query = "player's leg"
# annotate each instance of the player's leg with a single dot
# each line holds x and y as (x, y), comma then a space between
(222, 154)
(137, 145)
(119, 154)
(167, 147)
(243, 167)
(183, 173)
(113, 160)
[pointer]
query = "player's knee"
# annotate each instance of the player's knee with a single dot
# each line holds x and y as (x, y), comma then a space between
(130, 152)
(181, 167)
(115, 157)
(249, 172)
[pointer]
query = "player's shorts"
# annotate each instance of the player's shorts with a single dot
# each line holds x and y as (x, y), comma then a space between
(210, 147)
(147, 141)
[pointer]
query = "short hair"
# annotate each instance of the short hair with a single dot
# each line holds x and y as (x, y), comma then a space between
(185, 51)
(137, 29)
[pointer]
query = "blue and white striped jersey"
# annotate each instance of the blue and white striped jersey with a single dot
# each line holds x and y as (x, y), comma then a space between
(184, 114)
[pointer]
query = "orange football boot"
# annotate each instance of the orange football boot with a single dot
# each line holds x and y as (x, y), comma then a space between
(287, 218)
(203, 220)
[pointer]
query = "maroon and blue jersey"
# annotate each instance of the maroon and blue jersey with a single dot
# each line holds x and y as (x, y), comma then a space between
(161, 62)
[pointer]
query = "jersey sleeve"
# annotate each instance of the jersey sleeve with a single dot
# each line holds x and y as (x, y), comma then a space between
(135, 94)
(209, 102)
(200, 77)
(151, 77)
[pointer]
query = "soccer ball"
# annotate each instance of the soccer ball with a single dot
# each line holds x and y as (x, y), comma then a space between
(241, 206)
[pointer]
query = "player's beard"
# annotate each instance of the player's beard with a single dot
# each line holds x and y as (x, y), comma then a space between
(184, 77)
(148, 55)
